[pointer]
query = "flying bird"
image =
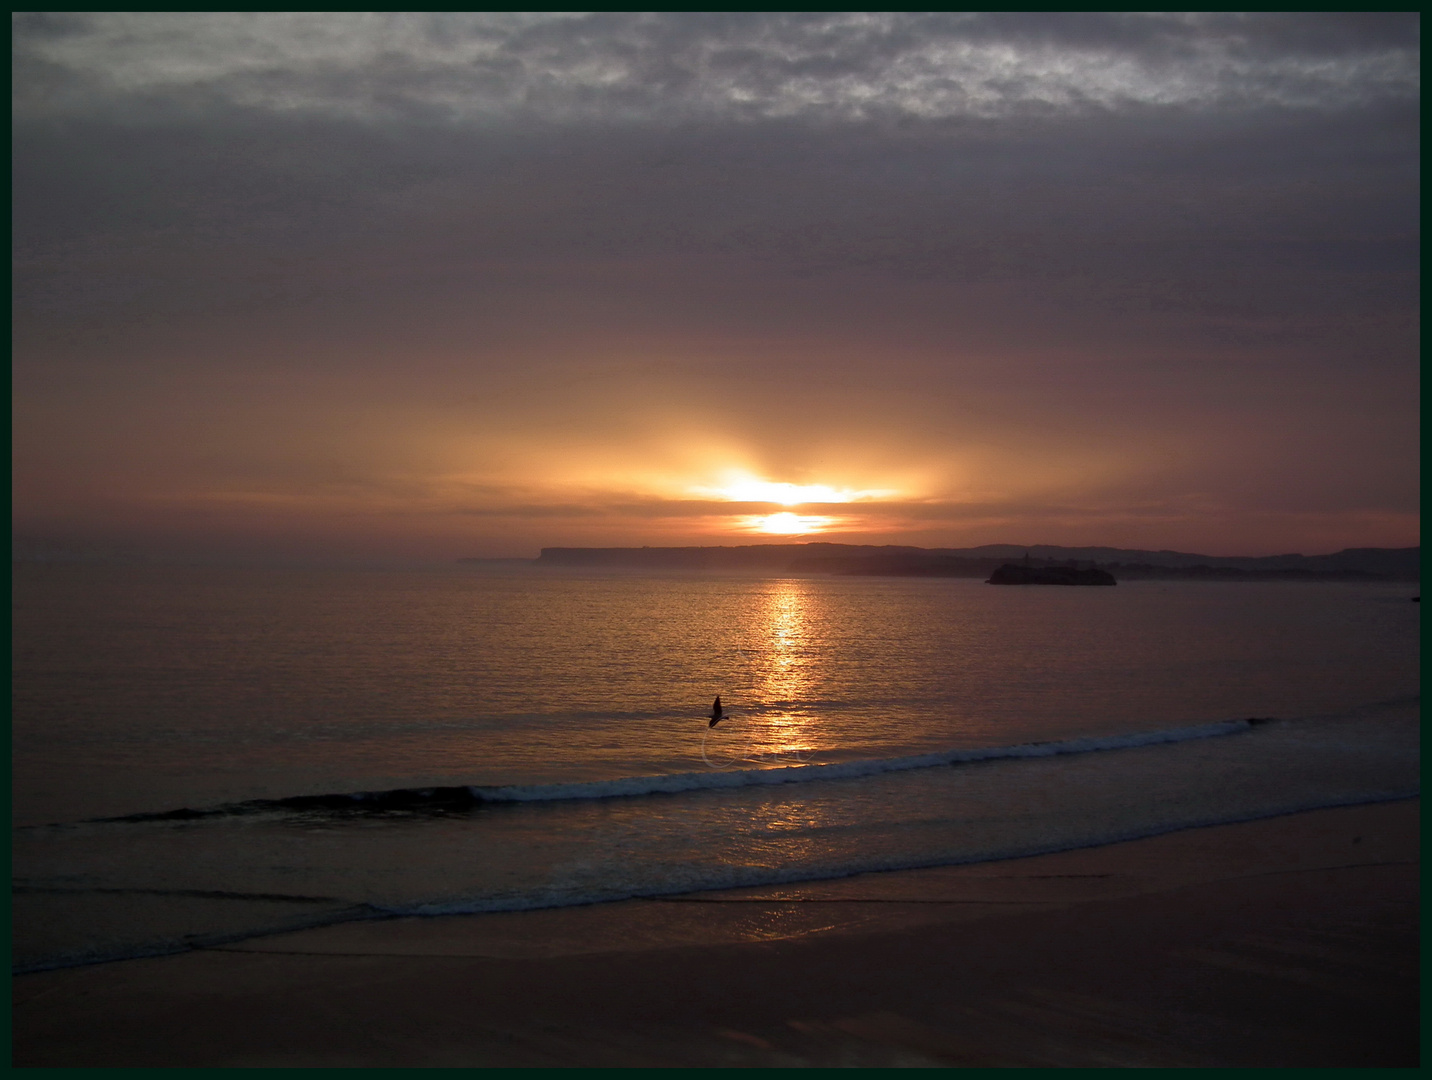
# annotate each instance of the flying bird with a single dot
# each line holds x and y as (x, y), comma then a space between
(716, 715)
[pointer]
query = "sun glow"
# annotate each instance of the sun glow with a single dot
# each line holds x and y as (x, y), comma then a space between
(741, 487)
(788, 524)
(750, 489)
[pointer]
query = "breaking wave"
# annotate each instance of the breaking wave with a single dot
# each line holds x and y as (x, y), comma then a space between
(456, 799)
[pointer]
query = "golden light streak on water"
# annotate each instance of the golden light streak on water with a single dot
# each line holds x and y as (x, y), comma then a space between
(788, 678)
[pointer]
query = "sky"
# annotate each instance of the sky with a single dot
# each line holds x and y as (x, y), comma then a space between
(446, 285)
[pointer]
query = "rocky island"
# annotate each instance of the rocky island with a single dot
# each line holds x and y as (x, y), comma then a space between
(1014, 574)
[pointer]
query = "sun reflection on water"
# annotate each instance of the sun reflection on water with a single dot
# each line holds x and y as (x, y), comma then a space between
(771, 723)
(786, 678)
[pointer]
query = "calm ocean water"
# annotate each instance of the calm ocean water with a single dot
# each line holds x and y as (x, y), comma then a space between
(494, 737)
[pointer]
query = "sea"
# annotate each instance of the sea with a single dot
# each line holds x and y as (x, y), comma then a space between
(206, 753)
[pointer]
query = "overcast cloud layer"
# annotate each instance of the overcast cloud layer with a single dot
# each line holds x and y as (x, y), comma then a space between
(471, 284)
(723, 66)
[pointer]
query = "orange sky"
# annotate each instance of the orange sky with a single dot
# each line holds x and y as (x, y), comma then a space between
(1171, 310)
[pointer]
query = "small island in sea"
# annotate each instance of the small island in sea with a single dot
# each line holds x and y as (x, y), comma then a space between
(1015, 574)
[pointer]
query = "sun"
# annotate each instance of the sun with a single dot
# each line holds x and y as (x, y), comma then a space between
(788, 524)
(745, 488)
(742, 487)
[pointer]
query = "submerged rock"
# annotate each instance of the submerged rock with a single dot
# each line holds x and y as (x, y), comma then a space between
(1014, 574)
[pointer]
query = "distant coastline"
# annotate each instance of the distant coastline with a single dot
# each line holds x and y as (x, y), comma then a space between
(1350, 564)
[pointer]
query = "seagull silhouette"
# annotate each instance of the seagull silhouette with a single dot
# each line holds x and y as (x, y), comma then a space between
(716, 714)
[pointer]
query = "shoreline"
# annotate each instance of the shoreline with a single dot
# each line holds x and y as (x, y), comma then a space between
(1289, 940)
(364, 914)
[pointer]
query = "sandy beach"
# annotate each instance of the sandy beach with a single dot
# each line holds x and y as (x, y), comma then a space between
(1291, 941)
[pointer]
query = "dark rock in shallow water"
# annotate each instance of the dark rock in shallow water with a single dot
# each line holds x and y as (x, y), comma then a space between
(1013, 574)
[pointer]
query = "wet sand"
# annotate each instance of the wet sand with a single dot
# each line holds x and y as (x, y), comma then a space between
(1291, 941)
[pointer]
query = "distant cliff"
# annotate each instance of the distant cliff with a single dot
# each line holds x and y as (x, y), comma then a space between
(1352, 564)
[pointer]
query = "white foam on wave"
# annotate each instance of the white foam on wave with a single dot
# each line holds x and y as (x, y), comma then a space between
(845, 770)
